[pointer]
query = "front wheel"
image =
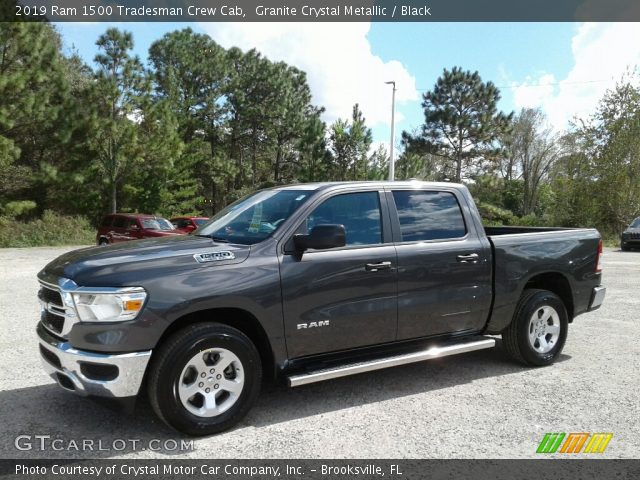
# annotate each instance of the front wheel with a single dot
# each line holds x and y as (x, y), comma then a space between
(538, 330)
(204, 379)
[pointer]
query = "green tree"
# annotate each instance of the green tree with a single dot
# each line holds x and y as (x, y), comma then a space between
(532, 148)
(119, 85)
(597, 181)
(378, 168)
(462, 122)
(314, 158)
(192, 74)
(349, 143)
(33, 98)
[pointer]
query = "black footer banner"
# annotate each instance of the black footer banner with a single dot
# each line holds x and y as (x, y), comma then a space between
(543, 469)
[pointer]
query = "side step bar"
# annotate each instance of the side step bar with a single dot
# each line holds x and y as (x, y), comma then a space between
(476, 343)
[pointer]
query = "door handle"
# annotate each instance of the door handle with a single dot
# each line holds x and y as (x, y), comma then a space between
(374, 267)
(471, 258)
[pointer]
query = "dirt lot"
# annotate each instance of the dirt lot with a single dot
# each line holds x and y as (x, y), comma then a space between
(475, 405)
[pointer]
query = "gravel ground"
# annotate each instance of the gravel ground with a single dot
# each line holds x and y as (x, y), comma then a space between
(475, 405)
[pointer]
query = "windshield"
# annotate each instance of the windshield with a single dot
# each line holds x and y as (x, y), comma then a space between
(253, 218)
(635, 223)
(156, 224)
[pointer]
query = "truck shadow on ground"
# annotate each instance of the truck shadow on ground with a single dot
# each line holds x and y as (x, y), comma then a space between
(48, 410)
(381, 385)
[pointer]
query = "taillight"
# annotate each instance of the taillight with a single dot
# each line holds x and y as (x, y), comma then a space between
(599, 257)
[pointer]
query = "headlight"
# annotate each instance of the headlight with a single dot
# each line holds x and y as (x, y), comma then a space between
(119, 306)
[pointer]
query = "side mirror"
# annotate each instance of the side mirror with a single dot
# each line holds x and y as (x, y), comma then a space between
(321, 237)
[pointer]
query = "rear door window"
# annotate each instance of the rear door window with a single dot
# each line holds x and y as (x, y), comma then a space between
(119, 222)
(428, 215)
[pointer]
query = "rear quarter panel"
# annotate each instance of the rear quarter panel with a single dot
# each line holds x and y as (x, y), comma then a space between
(520, 257)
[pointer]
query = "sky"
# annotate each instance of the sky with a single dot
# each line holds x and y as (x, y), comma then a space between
(562, 68)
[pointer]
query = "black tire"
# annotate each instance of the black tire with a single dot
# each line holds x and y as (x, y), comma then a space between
(624, 248)
(171, 359)
(515, 337)
(103, 242)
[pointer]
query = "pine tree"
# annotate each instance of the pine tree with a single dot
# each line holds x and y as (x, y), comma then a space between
(119, 86)
(462, 122)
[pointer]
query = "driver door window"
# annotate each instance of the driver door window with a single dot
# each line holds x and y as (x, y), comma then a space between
(359, 213)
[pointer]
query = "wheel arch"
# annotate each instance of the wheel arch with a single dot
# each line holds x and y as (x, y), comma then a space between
(237, 318)
(557, 283)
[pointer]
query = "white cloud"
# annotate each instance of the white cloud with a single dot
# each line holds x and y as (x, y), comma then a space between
(602, 53)
(341, 68)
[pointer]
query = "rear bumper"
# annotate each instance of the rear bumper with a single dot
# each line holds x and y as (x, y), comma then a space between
(90, 373)
(597, 297)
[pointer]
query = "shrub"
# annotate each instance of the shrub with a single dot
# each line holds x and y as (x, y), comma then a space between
(494, 216)
(50, 230)
(19, 208)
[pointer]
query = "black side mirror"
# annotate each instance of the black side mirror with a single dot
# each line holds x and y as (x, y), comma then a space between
(321, 237)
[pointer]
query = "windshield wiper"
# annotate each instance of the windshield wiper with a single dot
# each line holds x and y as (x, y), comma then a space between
(215, 239)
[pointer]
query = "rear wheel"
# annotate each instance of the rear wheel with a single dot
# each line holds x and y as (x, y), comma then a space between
(204, 379)
(538, 330)
(103, 242)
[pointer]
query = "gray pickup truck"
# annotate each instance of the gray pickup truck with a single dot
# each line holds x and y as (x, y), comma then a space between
(306, 283)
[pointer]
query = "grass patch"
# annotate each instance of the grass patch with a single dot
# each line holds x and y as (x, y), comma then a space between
(50, 230)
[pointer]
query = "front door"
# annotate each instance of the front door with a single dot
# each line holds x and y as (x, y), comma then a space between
(344, 297)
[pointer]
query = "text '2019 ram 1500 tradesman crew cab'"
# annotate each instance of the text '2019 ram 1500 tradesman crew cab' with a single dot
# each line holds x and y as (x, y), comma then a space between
(308, 283)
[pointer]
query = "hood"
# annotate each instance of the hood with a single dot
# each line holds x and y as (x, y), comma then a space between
(632, 230)
(129, 263)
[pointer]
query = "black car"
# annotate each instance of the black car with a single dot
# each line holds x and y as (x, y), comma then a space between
(630, 238)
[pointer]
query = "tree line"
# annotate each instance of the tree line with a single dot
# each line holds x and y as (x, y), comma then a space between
(199, 126)
(520, 169)
(195, 128)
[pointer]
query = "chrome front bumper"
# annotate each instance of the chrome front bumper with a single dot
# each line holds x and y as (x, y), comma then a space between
(597, 297)
(91, 373)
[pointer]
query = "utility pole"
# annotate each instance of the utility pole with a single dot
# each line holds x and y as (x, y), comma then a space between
(393, 136)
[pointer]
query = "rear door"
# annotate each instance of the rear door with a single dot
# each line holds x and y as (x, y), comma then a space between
(118, 229)
(134, 230)
(345, 297)
(444, 266)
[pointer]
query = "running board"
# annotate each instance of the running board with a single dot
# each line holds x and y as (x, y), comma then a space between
(477, 343)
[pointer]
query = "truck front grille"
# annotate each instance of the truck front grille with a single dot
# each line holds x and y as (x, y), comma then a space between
(56, 316)
(48, 295)
(634, 236)
(53, 322)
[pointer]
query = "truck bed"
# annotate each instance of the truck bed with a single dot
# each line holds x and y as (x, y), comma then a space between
(535, 257)
(495, 231)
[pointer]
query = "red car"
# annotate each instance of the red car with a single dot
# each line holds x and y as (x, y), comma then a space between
(120, 227)
(188, 224)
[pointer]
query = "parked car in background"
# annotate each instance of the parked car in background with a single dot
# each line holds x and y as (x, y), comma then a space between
(188, 224)
(631, 236)
(121, 227)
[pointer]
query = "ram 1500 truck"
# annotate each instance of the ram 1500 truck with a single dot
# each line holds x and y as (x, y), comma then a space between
(306, 283)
